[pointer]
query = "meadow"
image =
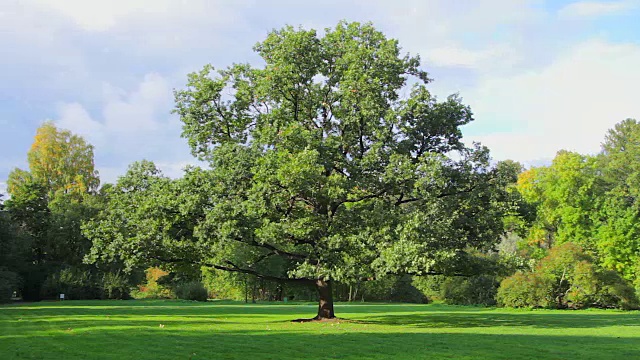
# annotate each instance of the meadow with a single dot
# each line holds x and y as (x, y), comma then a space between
(225, 330)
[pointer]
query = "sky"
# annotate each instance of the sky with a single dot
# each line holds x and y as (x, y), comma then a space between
(540, 76)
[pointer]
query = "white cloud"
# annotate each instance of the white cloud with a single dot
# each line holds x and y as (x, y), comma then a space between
(460, 34)
(132, 126)
(595, 8)
(464, 57)
(568, 105)
(103, 15)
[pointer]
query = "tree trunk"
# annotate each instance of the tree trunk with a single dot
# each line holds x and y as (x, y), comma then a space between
(325, 303)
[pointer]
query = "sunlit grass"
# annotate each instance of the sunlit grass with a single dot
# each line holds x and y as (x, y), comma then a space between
(225, 330)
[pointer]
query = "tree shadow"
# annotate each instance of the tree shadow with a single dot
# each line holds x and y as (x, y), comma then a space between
(337, 344)
(555, 320)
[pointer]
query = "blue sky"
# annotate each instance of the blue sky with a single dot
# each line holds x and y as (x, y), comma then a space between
(540, 76)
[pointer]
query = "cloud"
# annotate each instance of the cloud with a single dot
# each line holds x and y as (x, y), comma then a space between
(464, 57)
(131, 126)
(569, 104)
(459, 34)
(595, 8)
(104, 15)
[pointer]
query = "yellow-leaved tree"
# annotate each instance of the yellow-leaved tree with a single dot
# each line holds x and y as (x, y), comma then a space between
(60, 162)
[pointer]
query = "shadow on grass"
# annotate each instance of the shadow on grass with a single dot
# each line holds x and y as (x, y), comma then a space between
(329, 345)
(555, 320)
(408, 315)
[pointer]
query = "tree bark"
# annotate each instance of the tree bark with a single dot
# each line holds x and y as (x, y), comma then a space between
(325, 301)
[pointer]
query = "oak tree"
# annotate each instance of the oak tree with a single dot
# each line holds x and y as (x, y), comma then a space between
(329, 161)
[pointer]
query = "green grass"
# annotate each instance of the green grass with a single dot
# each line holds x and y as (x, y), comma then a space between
(223, 330)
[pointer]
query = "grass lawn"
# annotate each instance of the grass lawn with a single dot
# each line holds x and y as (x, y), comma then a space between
(224, 330)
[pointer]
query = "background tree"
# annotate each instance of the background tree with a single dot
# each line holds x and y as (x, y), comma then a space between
(13, 255)
(619, 232)
(591, 201)
(330, 162)
(565, 195)
(48, 204)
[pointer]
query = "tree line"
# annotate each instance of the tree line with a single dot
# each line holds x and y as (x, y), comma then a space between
(332, 172)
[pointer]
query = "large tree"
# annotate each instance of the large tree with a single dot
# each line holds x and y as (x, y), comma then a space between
(330, 161)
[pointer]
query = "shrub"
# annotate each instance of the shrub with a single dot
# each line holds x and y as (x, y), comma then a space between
(193, 290)
(393, 288)
(75, 283)
(524, 290)
(8, 284)
(430, 286)
(567, 277)
(151, 289)
(404, 291)
(475, 290)
(115, 285)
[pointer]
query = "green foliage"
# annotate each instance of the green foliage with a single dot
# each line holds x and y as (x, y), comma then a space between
(47, 206)
(152, 287)
(475, 290)
(430, 286)
(567, 277)
(566, 195)
(193, 290)
(396, 288)
(9, 282)
(321, 168)
(224, 285)
(115, 285)
(75, 283)
(591, 201)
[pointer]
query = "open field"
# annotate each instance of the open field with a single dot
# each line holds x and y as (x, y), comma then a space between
(223, 330)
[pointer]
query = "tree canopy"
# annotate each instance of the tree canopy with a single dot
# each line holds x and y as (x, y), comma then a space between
(330, 161)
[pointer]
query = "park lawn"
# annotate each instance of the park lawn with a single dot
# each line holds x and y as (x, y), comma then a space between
(159, 329)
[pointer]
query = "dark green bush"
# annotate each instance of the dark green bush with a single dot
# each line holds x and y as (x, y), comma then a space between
(475, 290)
(193, 290)
(9, 282)
(430, 286)
(392, 288)
(75, 283)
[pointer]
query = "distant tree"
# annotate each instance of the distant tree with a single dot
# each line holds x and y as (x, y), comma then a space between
(566, 195)
(593, 201)
(619, 232)
(50, 200)
(13, 255)
(331, 162)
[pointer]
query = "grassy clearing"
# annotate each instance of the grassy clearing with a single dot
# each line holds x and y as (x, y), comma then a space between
(223, 330)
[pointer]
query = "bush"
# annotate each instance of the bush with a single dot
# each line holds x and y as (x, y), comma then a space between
(76, 284)
(567, 277)
(524, 290)
(475, 290)
(393, 288)
(9, 282)
(151, 289)
(115, 285)
(430, 286)
(404, 291)
(193, 290)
